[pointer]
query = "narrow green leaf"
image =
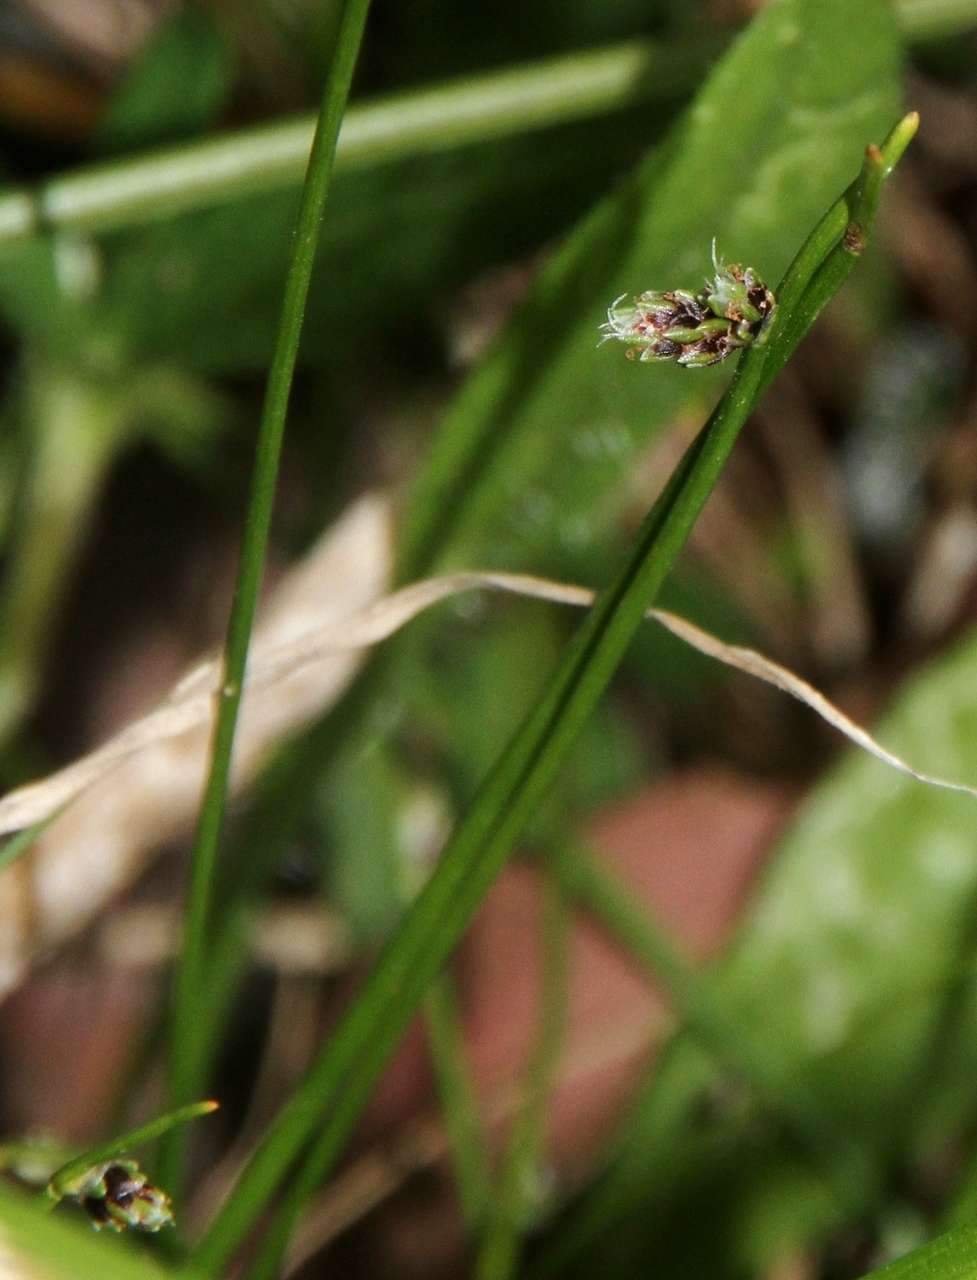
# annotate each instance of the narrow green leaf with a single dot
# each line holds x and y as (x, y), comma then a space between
(109, 197)
(62, 1182)
(459, 1103)
(518, 1194)
(189, 983)
(344, 1074)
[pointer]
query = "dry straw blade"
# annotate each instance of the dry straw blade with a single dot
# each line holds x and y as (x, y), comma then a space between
(191, 702)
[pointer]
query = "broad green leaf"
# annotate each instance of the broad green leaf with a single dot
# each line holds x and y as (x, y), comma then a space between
(949, 1257)
(545, 430)
(866, 912)
(854, 969)
(173, 90)
(36, 1245)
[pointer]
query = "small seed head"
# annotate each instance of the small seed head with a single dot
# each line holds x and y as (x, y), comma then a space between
(118, 1195)
(693, 329)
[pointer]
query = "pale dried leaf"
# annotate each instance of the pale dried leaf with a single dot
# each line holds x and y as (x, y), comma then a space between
(143, 784)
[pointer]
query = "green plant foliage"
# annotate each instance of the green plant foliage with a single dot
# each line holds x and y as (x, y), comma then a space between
(853, 973)
(52, 1249)
(547, 426)
(340, 1080)
(402, 231)
(174, 89)
(544, 431)
(949, 1257)
(853, 970)
(189, 995)
(361, 805)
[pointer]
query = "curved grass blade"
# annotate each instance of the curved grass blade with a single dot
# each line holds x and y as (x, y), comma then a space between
(343, 1076)
(509, 437)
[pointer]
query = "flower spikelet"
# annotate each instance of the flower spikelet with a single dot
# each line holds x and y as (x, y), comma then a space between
(693, 329)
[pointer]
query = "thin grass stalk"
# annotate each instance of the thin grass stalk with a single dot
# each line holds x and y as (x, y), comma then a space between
(127, 193)
(61, 1182)
(189, 988)
(346, 1070)
(598, 891)
(459, 1104)
(522, 1166)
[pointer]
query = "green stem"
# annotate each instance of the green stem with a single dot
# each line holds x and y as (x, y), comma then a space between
(930, 19)
(61, 1183)
(459, 1106)
(127, 193)
(76, 426)
(341, 1079)
(517, 1194)
(189, 1001)
(107, 197)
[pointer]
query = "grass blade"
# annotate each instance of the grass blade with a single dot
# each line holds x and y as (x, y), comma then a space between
(188, 985)
(61, 1182)
(110, 197)
(516, 1197)
(516, 417)
(343, 1076)
(459, 1104)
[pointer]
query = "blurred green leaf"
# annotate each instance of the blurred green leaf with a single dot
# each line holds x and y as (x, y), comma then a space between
(399, 235)
(528, 467)
(74, 426)
(854, 967)
(34, 1244)
(542, 434)
(174, 89)
(949, 1257)
(361, 804)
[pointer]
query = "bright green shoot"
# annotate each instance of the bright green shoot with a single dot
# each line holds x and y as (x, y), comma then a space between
(66, 1180)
